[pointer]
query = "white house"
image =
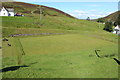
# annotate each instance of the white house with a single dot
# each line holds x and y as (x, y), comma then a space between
(116, 30)
(7, 12)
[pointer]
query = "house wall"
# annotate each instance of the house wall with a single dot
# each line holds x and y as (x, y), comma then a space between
(116, 30)
(3, 12)
(11, 13)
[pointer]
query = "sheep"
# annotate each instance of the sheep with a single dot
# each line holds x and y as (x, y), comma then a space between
(9, 44)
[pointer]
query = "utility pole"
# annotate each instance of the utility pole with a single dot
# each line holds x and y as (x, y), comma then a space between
(41, 14)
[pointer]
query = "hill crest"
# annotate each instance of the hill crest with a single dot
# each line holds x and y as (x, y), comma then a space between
(25, 6)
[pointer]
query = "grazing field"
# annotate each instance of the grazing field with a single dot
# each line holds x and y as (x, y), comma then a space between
(70, 54)
(62, 56)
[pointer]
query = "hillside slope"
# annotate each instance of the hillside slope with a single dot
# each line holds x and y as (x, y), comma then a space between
(54, 19)
(112, 16)
(28, 8)
(7, 0)
(55, 45)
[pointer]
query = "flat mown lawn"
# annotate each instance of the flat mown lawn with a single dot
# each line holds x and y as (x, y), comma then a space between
(61, 56)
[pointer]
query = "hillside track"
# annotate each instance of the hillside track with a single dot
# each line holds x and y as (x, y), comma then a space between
(15, 35)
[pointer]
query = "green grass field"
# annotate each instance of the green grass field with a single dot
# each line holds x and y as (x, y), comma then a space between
(68, 55)
(61, 56)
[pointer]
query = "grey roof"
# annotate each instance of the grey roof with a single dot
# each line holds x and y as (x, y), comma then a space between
(10, 9)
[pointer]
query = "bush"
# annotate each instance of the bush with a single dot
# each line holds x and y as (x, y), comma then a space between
(88, 18)
(101, 20)
(108, 26)
(118, 20)
(115, 23)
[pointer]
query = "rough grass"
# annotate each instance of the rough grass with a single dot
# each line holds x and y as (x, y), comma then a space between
(49, 23)
(57, 56)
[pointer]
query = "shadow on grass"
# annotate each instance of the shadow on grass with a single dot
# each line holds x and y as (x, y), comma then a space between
(107, 55)
(12, 68)
(117, 61)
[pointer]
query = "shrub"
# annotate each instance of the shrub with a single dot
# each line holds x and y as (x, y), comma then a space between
(118, 20)
(101, 20)
(115, 23)
(108, 26)
(88, 18)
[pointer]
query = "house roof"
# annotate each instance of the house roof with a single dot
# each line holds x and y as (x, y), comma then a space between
(8, 9)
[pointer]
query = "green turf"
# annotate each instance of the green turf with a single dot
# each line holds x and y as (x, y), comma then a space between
(68, 55)
(63, 56)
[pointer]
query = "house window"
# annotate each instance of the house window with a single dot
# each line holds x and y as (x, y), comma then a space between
(4, 13)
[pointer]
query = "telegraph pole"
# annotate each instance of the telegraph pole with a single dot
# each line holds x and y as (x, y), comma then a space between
(41, 16)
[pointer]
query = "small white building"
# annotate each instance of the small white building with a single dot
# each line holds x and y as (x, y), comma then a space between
(7, 12)
(116, 30)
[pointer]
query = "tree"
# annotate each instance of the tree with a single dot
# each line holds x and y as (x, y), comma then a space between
(108, 26)
(102, 20)
(118, 20)
(88, 18)
(115, 23)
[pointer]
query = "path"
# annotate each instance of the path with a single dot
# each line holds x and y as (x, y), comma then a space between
(14, 35)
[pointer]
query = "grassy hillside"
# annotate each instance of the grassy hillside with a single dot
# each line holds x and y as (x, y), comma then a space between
(32, 8)
(7, 0)
(62, 47)
(112, 17)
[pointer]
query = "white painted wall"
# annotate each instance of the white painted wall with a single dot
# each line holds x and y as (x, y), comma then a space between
(11, 13)
(116, 30)
(4, 12)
